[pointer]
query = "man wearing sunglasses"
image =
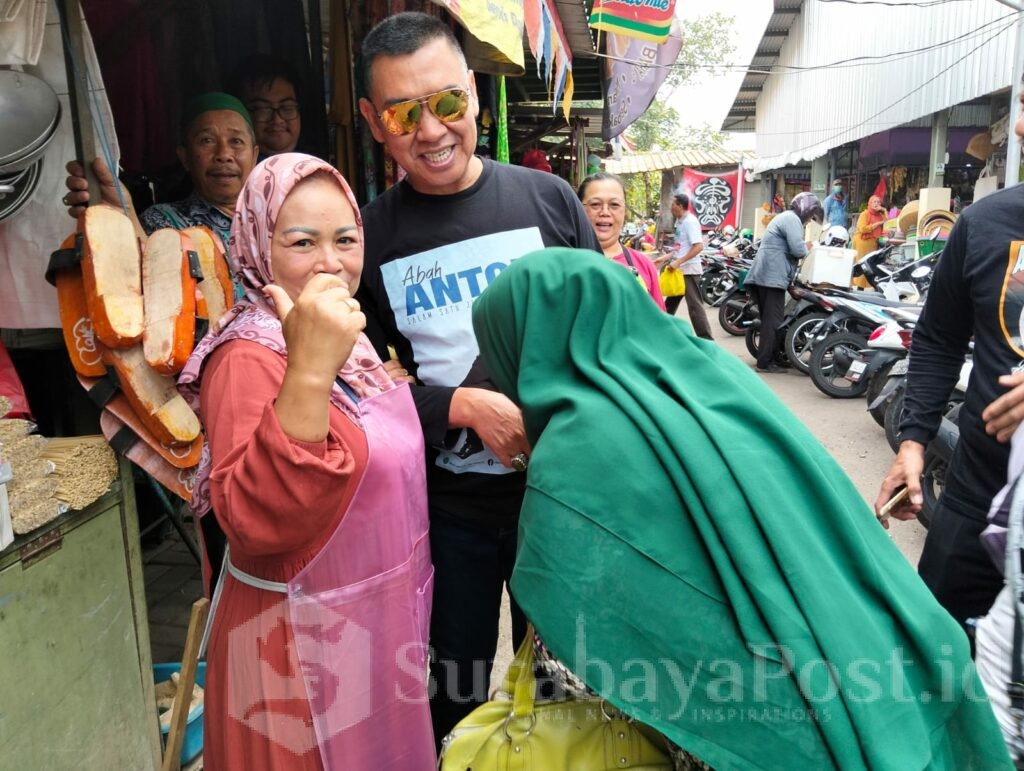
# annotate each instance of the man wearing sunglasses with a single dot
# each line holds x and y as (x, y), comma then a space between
(433, 243)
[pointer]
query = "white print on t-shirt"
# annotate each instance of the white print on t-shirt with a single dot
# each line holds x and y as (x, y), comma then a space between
(431, 295)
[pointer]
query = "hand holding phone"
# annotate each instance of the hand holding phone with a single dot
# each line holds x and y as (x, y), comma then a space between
(892, 503)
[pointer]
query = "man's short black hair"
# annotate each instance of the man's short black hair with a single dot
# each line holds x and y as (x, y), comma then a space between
(260, 71)
(683, 200)
(401, 35)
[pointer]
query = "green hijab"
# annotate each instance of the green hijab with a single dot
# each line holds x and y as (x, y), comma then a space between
(692, 552)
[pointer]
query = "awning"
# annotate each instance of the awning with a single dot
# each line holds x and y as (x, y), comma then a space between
(674, 159)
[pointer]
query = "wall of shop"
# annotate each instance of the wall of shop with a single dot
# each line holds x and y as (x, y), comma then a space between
(805, 109)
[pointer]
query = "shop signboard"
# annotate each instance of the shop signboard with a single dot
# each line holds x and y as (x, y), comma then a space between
(644, 19)
(634, 71)
(714, 198)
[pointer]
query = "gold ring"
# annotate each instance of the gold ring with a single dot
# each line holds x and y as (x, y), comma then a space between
(520, 461)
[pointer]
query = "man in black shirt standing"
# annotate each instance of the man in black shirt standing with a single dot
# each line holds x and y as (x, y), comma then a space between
(433, 243)
(977, 291)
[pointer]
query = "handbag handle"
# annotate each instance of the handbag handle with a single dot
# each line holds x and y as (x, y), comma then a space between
(519, 679)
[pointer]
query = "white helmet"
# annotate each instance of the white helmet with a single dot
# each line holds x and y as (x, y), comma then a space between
(729, 230)
(836, 235)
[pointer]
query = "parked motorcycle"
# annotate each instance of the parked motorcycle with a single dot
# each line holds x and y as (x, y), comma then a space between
(908, 281)
(804, 310)
(889, 346)
(834, 352)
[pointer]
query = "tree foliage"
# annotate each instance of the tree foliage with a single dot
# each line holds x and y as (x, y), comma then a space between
(706, 43)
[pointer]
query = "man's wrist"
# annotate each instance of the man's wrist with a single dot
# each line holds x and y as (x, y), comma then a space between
(460, 409)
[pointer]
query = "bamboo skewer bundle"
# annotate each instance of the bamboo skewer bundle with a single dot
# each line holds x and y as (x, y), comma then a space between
(28, 491)
(14, 428)
(84, 468)
(37, 514)
(22, 451)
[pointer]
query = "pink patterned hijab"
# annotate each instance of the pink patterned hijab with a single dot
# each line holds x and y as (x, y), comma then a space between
(253, 318)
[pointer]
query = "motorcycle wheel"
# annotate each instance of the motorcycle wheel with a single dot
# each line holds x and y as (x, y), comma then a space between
(933, 482)
(798, 341)
(875, 387)
(719, 288)
(821, 366)
(752, 339)
(891, 420)
(732, 312)
(706, 286)
(933, 477)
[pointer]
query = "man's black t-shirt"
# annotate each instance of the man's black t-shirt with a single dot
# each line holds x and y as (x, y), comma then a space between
(978, 289)
(428, 257)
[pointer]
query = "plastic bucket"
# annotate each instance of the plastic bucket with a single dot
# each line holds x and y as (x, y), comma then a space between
(192, 743)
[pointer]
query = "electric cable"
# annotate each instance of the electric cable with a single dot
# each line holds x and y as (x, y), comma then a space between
(893, 104)
(794, 69)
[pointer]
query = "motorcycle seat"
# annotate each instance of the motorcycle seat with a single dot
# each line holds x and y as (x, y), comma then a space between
(874, 298)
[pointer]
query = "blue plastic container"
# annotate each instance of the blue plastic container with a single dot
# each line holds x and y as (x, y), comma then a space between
(192, 744)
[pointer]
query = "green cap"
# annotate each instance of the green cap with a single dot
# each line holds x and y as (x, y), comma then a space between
(212, 100)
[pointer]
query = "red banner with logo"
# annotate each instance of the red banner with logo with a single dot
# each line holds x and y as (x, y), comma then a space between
(646, 19)
(714, 198)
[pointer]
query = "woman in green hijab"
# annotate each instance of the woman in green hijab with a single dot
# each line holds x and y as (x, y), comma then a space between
(695, 556)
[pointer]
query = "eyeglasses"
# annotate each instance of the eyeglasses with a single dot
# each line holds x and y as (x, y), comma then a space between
(284, 112)
(615, 207)
(447, 105)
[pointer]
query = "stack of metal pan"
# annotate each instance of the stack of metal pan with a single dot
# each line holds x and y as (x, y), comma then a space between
(29, 115)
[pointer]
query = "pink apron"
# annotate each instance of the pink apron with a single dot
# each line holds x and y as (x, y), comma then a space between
(360, 610)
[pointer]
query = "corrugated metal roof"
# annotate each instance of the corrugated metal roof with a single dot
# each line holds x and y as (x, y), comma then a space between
(968, 53)
(672, 159)
(741, 115)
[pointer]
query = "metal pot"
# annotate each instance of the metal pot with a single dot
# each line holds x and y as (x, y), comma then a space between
(21, 186)
(29, 114)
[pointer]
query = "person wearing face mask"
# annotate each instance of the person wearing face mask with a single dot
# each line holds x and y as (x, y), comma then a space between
(837, 206)
(604, 199)
(218, 150)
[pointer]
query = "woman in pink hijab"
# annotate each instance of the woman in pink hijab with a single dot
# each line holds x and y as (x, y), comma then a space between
(314, 470)
(865, 237)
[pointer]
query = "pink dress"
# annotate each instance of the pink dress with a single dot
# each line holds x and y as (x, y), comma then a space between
(278, 501)
(645, 270)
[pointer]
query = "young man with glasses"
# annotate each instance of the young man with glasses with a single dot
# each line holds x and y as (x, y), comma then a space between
(269, 89)
(433, 243)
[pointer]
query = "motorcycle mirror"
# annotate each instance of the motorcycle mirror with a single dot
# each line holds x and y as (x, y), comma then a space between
(921, 272)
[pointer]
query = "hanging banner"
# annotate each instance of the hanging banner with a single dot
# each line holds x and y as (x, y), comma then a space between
(495, 27)
(714, 198)
(634, 72)
(644, 19)
(550, 49)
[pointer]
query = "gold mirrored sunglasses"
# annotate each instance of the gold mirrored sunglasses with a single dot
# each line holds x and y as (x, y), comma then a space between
(447, 105)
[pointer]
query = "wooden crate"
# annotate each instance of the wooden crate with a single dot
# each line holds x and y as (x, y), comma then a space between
(75, 670)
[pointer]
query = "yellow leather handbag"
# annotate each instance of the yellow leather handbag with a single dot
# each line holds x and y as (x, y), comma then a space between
(573, 735)
(672, 282)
